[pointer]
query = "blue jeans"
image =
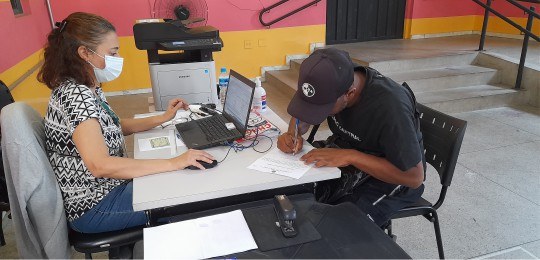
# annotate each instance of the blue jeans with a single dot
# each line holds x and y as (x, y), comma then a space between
(114, 212)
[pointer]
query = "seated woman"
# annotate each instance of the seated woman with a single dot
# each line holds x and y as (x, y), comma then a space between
(85, 138)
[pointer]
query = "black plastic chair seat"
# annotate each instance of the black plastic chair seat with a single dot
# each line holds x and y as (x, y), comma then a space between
(99, 242)
(421, 207)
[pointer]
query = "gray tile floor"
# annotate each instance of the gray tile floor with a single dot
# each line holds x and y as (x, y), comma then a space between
(493, 203)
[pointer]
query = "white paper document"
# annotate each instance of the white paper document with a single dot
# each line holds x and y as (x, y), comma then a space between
(200, 238)
(281, 163)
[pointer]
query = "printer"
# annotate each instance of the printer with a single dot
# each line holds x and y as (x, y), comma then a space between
(180, 60)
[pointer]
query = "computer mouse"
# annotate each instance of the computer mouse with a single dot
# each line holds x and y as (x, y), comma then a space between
(204, 164)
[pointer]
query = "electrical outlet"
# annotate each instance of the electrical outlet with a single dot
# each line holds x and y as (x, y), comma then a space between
(262, 43)
(248, 44)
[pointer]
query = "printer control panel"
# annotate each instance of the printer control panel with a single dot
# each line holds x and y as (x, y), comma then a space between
(188, 44)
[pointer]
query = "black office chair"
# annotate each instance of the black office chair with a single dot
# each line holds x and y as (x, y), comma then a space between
(42, 195)
(118, 243)
(442, 135)
(5, 99)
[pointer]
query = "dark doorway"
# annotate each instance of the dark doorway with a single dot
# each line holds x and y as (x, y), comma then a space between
(364, 20)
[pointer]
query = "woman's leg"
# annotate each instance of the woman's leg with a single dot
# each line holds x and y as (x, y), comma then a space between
(114, 212)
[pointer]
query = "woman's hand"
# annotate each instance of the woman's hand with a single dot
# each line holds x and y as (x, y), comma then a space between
(190, 158)
(174, 105)
(286, 143)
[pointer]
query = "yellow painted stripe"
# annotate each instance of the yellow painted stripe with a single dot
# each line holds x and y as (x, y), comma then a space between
(248, 51)
(498, 25)
(33, 93)
(14, 73)
(441, 25)
(244, 51)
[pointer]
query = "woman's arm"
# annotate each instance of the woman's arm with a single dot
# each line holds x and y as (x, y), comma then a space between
(131, 125)
(91, 146)
(135, 125)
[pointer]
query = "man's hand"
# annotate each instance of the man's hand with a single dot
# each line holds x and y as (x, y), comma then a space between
(285, 143)
(174, 105)
(331, 157)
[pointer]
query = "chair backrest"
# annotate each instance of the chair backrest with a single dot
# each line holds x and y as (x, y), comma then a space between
(36, 203)
(5, 99)
(442, 137)
(5, 95)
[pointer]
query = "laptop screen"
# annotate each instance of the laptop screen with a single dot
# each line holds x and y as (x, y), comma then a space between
(238, 100)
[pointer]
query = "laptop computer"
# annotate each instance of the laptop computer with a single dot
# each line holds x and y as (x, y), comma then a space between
(226, 127)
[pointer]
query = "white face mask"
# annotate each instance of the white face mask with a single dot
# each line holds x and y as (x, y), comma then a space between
(113, 68)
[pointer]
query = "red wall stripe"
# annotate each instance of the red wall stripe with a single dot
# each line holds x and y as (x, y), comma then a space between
(23, 35)
(445, 8)
(226, 15)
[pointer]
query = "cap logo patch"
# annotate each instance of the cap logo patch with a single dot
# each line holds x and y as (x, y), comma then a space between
(308, 90)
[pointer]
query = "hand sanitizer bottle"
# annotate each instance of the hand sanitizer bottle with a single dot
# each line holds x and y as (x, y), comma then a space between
(259, 97)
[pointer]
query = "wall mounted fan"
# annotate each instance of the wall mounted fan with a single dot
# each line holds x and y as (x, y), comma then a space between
(192, 13)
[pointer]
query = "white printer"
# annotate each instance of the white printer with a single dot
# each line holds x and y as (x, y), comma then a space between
(187, 69)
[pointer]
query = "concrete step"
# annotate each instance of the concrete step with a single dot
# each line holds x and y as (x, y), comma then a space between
(283, 84)
(445, 77)
(295, 64)
(470, 98)
(452, 59)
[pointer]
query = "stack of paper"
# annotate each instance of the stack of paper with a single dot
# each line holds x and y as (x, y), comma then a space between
(200, 238)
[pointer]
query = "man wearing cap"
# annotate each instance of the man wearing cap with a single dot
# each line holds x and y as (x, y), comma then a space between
(376, 140)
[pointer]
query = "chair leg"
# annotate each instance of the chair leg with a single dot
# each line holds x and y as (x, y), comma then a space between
(2, 238)
(87, 256)
(438, 234)
(388, 228)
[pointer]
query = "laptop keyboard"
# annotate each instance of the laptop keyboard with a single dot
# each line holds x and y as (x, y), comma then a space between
(214, 128)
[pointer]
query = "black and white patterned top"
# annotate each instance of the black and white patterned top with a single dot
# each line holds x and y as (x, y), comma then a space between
(69, 105)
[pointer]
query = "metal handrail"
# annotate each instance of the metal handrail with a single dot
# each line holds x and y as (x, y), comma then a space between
(267, 9)
(527, 30)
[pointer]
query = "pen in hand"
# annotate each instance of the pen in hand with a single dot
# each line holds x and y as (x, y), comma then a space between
(295, 136)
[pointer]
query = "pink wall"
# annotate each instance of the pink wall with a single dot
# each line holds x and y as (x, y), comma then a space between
(226, 15)
(22, 35)
(441, 8)
(445, 8)
(511, 10)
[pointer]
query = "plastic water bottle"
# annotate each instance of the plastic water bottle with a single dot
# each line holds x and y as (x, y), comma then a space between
(223, 82)
(259, 97)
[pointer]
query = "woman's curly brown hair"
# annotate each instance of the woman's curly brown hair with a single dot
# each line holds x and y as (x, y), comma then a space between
(61, 58)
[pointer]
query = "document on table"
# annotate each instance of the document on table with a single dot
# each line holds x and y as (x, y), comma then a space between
(200, 238)
(160, 142)
(281, 163)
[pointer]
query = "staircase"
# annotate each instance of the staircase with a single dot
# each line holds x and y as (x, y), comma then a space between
(449, 82)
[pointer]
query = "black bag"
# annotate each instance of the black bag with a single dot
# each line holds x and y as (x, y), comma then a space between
(337, 190)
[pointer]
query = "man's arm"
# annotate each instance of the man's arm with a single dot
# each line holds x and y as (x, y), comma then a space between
(378, 167)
